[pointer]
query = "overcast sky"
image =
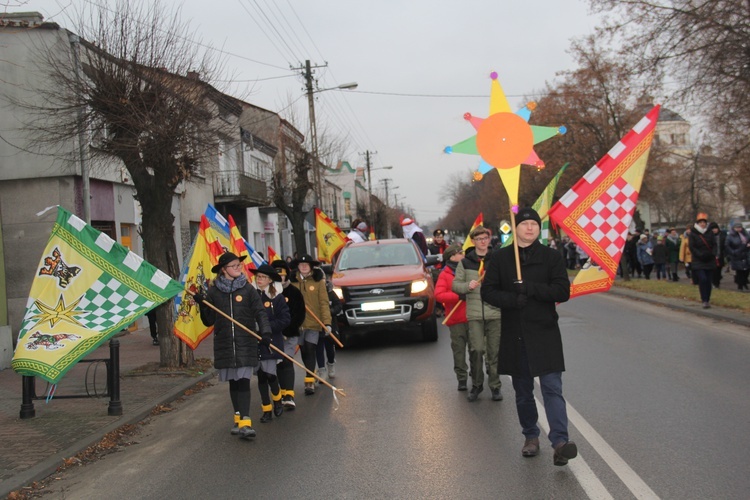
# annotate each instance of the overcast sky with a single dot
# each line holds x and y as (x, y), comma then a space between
(420, 66)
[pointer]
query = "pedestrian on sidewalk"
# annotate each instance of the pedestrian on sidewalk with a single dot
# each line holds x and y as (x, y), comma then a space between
(310, 280)
(720, 240)
(531, 343)
(296, 304)
(484, 319)
(660, 256)
(457, 323)
(673, 253)
(645, 251)
(703, 249)
(151, 315)
(686, 257)
(235, 350)
(268, 284)
(738, 250)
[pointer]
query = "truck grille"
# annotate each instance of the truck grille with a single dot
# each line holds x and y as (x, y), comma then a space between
(389, 291)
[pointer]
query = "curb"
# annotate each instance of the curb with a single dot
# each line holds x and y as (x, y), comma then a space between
(50, 465)
(719, 314)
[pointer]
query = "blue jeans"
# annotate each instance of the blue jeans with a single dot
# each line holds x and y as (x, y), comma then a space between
(554, 403)
(705, 282)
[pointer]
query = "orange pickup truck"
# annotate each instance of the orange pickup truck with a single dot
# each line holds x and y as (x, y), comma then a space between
(385, 284)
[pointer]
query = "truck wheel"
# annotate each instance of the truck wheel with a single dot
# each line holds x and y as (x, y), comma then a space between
(430, 330)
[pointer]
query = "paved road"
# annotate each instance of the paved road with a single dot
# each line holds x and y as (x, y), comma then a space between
(659, 406)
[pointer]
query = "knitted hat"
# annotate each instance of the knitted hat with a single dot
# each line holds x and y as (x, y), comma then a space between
(451, 251)
(225, 259)
(528, 214)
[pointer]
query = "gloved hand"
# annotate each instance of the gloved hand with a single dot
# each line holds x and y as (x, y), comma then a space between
(521, 287)
(266, 340)
(440, 257)
(327, 330)
(199, 298)
(521, 300)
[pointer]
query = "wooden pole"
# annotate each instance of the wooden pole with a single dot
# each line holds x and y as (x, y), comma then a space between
(335, 339)
(515, 245)
(324, 382)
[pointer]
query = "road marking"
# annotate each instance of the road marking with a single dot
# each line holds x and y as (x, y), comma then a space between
(591, 484)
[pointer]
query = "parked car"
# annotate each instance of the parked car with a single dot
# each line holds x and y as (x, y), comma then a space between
(385, 285)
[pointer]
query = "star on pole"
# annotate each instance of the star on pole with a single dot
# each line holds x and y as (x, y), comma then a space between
(504, 140)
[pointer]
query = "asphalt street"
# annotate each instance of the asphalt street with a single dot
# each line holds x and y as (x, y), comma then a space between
(658, 404)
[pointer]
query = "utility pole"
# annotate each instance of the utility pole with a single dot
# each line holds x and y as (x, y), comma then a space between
(308, 74)
(368, 154)
(387, 208)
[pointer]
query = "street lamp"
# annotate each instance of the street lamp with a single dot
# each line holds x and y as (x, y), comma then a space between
(313, 127)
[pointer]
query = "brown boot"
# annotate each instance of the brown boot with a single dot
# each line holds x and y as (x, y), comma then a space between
(530, 447)
(564, 452)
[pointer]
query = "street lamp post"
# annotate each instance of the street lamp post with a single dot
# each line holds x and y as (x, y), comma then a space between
(313, 126)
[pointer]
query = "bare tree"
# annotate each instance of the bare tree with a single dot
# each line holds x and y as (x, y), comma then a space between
(131, 85)
(704, 48)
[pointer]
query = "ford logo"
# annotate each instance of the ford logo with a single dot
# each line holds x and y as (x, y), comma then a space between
(377, 291)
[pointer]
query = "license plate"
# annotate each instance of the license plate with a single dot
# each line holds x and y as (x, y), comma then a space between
(378, 306)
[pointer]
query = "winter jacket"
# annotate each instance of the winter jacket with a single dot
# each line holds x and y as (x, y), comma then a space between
(467, 270)
(737, 250)
(279, 317)
(660, 254)
(685, 255)
(644, 252)
(673, 249)
(546, 278)
(233, 346)
(314, 292)
(446, 296)
(296, 304)
(703, 249)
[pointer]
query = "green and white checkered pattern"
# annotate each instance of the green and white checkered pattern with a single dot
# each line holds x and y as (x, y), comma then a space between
(109, 302)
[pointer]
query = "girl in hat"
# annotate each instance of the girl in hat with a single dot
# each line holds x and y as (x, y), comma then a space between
(268, 284)
(310, 280)
(235, 350)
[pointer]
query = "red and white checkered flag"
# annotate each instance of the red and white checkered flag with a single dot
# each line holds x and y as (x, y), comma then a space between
(597, 211)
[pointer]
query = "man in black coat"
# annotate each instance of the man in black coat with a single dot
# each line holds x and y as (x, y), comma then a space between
(531, 344)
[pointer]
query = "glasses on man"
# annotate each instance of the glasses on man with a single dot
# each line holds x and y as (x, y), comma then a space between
(482, 238)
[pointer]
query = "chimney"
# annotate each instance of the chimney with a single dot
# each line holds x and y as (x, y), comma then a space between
(193, 75)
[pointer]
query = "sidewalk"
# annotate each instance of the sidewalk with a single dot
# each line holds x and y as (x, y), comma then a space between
(34, 448)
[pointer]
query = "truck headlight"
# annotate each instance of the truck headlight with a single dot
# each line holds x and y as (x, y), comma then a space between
(418, 286)
(339, 292)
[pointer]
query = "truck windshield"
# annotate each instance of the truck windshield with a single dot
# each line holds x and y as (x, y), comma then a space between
(378, 256)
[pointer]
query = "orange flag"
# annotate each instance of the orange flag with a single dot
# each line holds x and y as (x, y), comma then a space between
(479, 221)
(237, 247)
(272, 255)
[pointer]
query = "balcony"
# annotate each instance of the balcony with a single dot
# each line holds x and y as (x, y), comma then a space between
(237, 188)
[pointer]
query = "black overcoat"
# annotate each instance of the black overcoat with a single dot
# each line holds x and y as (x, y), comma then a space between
(543, 270)
(233, 346)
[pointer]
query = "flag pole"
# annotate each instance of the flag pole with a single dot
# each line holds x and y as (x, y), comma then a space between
(455, 308)
(324, 382)
(338, 342)
(515, 244)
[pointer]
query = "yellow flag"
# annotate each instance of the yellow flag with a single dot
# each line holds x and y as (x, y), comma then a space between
(330, 238)
(477, 222)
